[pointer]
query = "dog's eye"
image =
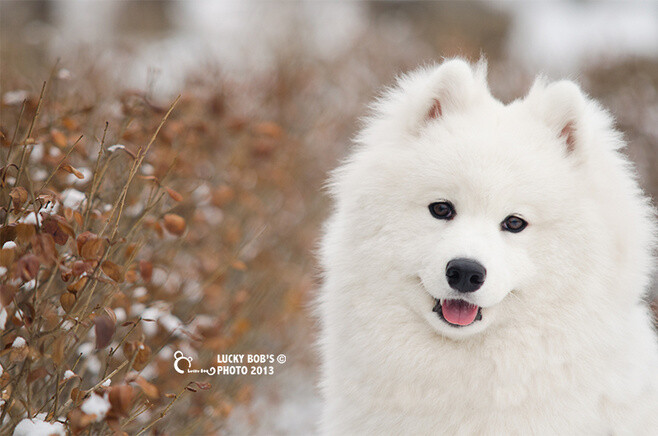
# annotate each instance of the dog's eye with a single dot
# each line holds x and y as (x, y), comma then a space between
(442, 210)
(513, 224)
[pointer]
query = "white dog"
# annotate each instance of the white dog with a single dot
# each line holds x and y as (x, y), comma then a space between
(485, 268)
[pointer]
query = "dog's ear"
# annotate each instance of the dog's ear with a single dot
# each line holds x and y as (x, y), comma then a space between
(423, 97)
(451, 88)
(561, 106)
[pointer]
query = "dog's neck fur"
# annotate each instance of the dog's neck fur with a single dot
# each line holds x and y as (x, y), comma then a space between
(540, 370)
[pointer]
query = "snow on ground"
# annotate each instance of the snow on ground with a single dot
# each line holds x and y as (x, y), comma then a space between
(38, 427)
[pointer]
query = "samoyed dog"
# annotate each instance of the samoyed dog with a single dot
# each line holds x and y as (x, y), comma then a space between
(485, 267)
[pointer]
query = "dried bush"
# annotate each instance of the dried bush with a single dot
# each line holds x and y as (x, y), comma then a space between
(132, 229)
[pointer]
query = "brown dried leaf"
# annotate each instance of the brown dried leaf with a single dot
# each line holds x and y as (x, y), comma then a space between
(70, 124)
(27, 312)
(77, 286)
(43, 246)
(78, 421)
(58, 138)
(131, 276)
(113, 271)
(51, 226)
(83, 238)
(104, 328)
(69, 169)
(146, 270)
(201, 385)
(58, 348)
(89, 245)
(77, 217)
(27, 267)
(25, 232)
(35, 374)
(149, 389)
(129, 348)
(7, 293)
(80, 267)
(143, 356)
(66, 274)
(176, 196)
(121, 399)
(131, 250)
(7, 256)
(175, 224)
(223, 195)
(18, 195)
(76, 394)
(65, 226)
(109, 312)
(67, 300)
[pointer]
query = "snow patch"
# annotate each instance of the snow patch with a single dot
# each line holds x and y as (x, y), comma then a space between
(96, 405)
(15, 97)
(39, 427)
(19, 342)
(72, 198)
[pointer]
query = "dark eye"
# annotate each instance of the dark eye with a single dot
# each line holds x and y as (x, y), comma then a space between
(442, 210)
(513, 224)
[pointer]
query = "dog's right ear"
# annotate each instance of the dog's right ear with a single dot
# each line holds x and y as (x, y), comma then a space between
(422, 97)
(451, 88)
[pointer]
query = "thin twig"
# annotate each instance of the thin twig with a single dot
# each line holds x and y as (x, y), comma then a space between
(94, 181)
(141, 155)
(163, 413)
(66, 156)
(18, 125)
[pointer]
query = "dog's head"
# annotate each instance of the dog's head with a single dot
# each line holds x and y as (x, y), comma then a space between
(474, 213)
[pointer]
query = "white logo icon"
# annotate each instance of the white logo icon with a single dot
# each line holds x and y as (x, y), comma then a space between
(178, 355)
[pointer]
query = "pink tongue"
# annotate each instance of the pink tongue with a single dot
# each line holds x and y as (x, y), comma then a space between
(459, 312)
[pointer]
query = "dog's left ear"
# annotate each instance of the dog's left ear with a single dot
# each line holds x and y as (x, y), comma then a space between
(560, 105)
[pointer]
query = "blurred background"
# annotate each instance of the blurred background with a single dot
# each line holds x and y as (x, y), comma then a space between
(211, 233)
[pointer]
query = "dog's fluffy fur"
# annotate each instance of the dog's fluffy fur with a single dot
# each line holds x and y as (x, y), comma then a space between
(565, 344)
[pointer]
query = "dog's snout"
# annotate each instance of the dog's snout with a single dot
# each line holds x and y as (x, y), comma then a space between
(465, 275)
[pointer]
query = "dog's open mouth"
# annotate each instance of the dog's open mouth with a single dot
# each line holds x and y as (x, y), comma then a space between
(458, 313)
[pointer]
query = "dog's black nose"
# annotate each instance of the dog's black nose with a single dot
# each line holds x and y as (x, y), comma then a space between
(465, 275)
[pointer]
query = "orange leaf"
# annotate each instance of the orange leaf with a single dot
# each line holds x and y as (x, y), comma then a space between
(174, 224)
(69, 169)
(149, 389)
(58, 138)
(174, 194)
(146, 270)
(113, 271)
(70, 124)
(77, 286)
(239, 265)
(67, 300)
(269, 128)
